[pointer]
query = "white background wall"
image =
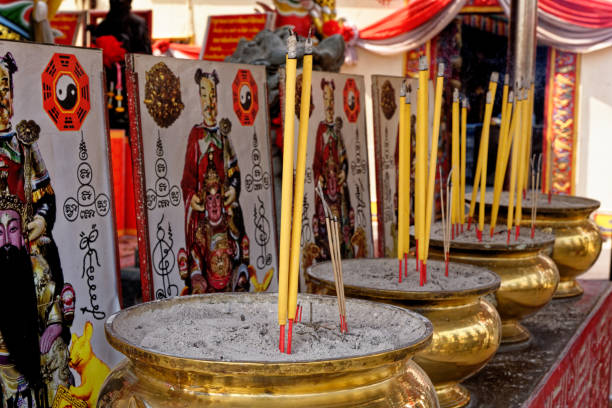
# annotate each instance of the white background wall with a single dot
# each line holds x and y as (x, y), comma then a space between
(594, 155)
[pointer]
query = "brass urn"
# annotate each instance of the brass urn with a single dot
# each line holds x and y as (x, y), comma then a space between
(466, 327)
(154, 379)
(577, 238)
(529, 277)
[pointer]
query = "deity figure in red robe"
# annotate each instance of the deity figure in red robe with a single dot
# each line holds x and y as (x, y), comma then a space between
(217, 243)
(330, 169)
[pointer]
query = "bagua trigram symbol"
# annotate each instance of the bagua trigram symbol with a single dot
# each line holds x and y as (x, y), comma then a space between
(86, 204)
(258, 178)
(163, 195)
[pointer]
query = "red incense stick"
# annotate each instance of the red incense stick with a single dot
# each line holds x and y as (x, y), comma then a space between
(289, 336)
(281, 342)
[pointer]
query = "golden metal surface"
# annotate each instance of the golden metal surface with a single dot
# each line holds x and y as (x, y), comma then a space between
(529, 279)
(577, 240)
(153, 380)
(467, 330)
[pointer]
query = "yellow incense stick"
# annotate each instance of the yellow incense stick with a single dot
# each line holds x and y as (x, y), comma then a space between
(287, 180)
(401, 182)
(455, 205)
(522, 166)
(408, 164)
(433, 157)
(464, 104)
(502, 159)
(484, 142)
(479, 167)
(516, 133)
(421, 150)
(499, 176)
(300, 170)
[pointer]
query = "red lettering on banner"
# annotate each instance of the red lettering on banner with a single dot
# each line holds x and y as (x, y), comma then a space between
(224, 33)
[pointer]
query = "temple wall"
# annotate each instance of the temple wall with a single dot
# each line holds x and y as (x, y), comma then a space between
(594, 126)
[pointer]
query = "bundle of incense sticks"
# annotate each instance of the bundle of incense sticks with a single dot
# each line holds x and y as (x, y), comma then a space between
(480, 178)
(536, 168)
(446, 220)
(290, 235)
(333, 236)
(431, 174)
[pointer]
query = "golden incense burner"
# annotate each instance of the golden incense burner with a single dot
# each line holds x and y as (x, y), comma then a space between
(577, 238)
(150, 378)
(467, 328)
(529, 277)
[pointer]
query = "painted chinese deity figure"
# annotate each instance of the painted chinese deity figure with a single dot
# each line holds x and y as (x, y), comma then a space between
(330, 169)
(217, 243)
(25, 180)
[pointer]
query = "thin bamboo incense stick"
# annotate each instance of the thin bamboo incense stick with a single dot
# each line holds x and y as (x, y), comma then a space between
(340, 276)
(287, 186)
(433, 161)
(332, 245)
(298, 200)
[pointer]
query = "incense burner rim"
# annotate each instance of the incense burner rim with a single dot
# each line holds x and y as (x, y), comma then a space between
(404, 295)
(482, 247)
(589, 206)
(361, 362)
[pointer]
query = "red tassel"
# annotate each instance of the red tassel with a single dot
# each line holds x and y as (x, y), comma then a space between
(518, 232)
(469, 227)
(425, 273)
(405, 265)
(479, 234)
(416, 254)
(289, 336)
(281, 342)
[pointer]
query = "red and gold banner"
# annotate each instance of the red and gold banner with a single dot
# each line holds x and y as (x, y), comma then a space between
(65, 26)
(581, 377)
(224, 32)
(559, 140)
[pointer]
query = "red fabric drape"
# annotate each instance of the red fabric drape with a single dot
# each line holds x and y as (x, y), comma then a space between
(585, 13)
(414, 14)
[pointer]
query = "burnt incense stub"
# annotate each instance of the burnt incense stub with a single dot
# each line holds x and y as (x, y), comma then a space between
(244, 328)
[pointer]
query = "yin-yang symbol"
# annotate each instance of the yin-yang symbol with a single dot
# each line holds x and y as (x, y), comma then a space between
(66, 92)
(245, 97)
(351, 101)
